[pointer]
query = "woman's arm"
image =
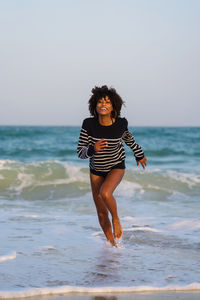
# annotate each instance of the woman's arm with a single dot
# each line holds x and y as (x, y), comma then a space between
(84, 149)
(128, 138)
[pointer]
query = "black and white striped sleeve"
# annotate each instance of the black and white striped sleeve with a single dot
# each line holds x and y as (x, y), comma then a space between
(128, 138)
(84, 149)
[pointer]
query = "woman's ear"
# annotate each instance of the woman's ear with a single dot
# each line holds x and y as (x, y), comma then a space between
(113, 114)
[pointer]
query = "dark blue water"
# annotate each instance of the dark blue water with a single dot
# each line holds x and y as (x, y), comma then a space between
(162, 145)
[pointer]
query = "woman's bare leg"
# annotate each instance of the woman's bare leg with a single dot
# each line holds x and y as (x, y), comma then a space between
(102, 211)
(110, 183)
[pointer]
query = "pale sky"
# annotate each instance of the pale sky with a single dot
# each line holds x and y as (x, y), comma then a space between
(52, 53)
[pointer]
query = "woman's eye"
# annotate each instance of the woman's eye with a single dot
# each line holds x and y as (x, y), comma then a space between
(103, 101)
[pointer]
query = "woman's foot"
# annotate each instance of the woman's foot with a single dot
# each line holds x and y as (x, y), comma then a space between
(113, 243)
(117, 228)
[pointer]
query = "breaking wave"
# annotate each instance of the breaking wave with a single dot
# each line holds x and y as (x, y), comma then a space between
(55, 180)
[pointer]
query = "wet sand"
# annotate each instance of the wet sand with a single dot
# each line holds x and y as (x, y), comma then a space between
(125, 296)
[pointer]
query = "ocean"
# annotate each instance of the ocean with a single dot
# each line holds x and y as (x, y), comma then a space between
(51, 241)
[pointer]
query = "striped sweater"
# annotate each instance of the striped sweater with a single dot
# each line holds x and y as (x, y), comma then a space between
(92, 131)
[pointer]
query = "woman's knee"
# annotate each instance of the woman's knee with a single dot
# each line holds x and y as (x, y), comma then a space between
(105, 194)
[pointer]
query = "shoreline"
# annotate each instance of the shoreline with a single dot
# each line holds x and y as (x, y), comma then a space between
(104, 293)
(179, 295)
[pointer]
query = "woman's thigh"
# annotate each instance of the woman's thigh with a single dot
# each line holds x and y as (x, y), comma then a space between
(112, 180)
(96, 183)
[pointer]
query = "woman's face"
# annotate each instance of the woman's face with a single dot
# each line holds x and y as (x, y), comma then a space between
(104, 106)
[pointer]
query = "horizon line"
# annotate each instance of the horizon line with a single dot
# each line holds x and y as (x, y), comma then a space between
(65, 125)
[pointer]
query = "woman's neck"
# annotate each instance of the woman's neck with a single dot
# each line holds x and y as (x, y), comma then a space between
(105, 120)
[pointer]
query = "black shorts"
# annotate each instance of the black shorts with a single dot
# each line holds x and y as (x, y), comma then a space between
(121, 165)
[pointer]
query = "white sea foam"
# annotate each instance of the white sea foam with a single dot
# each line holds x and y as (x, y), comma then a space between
(73, 173)
(154, 187)
(4, 164)
(25, 180)
(28, 176)
(97, 233)
(138, 228)
(175, 195)
(31, 216)
(10, 256)
(139, 221)
(128, 188)
(186, 224)
(142, 229)
(195, 286)
(45, 178)
(190, 178)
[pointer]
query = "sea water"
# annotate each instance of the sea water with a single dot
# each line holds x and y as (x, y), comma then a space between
(50, 238)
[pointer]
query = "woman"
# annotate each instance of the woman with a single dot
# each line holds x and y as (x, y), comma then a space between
(101, 141)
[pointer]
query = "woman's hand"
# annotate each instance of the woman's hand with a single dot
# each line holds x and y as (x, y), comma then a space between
(100, 145)
(143, 162)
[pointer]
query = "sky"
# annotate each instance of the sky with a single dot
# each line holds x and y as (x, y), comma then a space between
(52, 53)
